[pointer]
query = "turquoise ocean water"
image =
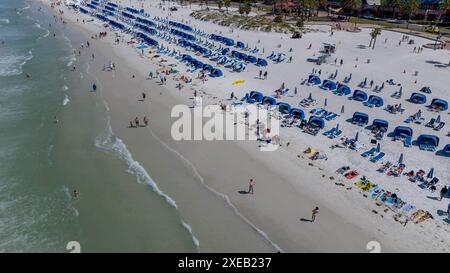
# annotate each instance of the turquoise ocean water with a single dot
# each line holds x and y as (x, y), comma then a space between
(42, 162)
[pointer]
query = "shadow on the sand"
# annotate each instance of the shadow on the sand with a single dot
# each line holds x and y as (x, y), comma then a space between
(243, 192)
(441, 212)
(305, 220)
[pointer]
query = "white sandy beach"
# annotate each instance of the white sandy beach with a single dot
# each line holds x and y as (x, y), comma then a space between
(288, 184)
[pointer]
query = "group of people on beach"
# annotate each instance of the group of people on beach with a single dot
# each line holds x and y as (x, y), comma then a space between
(135, 123)
(262, 75)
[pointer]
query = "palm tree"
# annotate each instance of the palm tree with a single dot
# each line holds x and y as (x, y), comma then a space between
(443, 6)
(394, 4)
(373, 37)
(411, 6)
(227, 4)
(352, 5)
(219, 4)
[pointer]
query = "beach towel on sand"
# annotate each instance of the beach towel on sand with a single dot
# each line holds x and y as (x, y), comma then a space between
(238, 82)
(365, 185)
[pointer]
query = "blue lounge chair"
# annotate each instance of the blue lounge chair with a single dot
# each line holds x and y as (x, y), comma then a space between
(369, 152)
(329, 132)
(336, 133)
(377, 157)
(331, 116)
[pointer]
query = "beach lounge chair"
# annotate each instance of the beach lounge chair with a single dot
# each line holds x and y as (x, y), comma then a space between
(335, 134)
(375, 191)
(331, 116)
(440, 126)
(431, 123)
(377, 157)
(329, 132)
(343, 169)
(369, 152)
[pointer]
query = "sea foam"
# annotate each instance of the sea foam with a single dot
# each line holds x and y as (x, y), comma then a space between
(111, 143)
(12, 65)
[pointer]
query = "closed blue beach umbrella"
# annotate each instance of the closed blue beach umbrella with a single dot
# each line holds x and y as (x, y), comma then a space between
(430, 173)
(400, 160)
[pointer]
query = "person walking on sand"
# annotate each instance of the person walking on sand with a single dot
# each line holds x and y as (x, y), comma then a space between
(315, 211)
(251, 184)
(265, 75)
(136, 121)
(443, 192)
(145, 120)
(94, 87)
(143, 96)
(260, 73)
(76, 194)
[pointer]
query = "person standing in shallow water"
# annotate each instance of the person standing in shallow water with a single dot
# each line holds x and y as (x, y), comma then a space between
(251, 185)
(315, 211)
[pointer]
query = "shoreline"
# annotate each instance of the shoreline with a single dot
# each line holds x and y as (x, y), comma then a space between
(288, 195)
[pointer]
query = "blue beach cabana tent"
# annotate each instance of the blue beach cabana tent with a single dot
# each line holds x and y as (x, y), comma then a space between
(101, 17)
(84, 10)
(359, 95)
(225, 51)
(261, 62)
(256, 96)
(251, 59)
(360, 118)
(207, 67)
(380, 124)
(269, 100)
(228, 42)
(132, 10)
(418, 98)
(446, 150)
(216, 73)
(315, 121)
(298, 113)
(107, 12)
(240, 44)
(343, 89)
(439, 104)
(91, 6)
(313, 79)
(375, 100)
(329, 85)
(186, 58)
(427, 142)
(403, 132)
(110, 8)
(284, 108)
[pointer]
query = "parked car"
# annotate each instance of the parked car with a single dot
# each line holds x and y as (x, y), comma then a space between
(432, 29)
